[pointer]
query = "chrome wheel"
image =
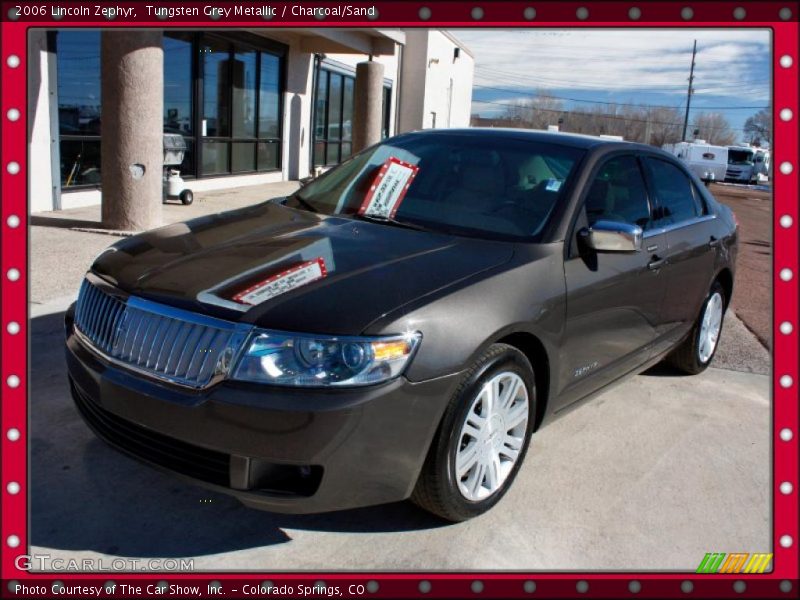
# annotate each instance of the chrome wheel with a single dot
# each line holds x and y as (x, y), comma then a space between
(492, 436)
(709, 328)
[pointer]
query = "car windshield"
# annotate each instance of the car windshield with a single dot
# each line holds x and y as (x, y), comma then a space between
(473, 185)
(740, 157)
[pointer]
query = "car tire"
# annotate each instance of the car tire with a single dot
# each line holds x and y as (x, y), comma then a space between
(439, 489)
(186, 197)
(689, 356)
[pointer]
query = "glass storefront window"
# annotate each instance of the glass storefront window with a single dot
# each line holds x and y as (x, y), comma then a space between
(244, 94)
(269, 100)
(216, 88)
(79, 105)
(222, 92)
(333, 117)
(179, 93)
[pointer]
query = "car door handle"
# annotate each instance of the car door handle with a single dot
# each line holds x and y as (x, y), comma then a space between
(714, 242)
(656, 263)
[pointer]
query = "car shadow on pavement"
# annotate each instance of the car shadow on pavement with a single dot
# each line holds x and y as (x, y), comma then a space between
(86, 496)
(663, 369)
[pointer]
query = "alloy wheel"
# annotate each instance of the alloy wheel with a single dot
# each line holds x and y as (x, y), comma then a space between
(709, 328)
(492, 436)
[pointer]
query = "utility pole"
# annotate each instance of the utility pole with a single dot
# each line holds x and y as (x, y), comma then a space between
(689, 93)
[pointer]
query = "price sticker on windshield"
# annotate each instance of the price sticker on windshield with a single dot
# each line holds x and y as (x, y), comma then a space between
(387, 191)
(283, 282)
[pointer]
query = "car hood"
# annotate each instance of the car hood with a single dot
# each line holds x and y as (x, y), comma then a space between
(371, 269)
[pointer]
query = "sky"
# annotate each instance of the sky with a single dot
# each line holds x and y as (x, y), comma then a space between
(643, 66)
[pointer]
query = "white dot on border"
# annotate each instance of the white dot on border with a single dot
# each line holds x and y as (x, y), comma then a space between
(12, 114)
(786, 381)
(635, 13)
(12, 221)
(12, 488)
(739, 13)
(786, 221)
(13, 434)
(687, 587)
(786, 328)
(13, 61)
(786, 168)
(786, 434)
(785, 13)
(13, 274)
(12, 328)
(786, 61)
(786, 114)
(687, 13)
(13, 541)
(786, 274)
(529, 587)
(477, 13)
(13, 167)
(12, 381)
(786, 541)
(529, 13)
(634, 587)
(582, 13)
(786, 488)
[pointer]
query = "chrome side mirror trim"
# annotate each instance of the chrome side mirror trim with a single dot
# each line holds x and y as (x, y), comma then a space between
(613, 236)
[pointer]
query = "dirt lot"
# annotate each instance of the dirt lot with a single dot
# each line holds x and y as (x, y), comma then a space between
(752, 296)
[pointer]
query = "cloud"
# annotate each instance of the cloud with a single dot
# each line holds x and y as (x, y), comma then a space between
(730, 63)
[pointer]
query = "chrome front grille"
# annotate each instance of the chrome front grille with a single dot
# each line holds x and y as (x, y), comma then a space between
(167, 343)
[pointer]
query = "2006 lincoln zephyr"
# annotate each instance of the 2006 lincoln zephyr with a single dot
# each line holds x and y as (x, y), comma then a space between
(400, 326)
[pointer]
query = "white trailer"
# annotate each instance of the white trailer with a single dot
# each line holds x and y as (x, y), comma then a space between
(708, 162)
(747, 164)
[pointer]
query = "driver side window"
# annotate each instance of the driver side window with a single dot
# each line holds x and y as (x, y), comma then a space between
(618, 194)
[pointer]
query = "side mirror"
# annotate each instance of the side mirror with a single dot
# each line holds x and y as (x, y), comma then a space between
(612, 236)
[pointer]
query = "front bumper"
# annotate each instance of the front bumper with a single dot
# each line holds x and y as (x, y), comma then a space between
(280, 449)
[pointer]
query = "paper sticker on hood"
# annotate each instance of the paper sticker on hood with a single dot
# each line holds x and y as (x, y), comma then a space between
(283, 282)
(302, 261)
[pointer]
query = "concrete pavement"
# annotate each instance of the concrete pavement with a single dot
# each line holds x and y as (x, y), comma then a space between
(651, 475)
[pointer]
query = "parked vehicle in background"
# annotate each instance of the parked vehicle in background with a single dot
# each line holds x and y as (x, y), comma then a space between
(708, 162)
(747, 164)
(402, 325)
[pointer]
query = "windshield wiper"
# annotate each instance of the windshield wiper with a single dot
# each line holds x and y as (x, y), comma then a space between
(391, 221)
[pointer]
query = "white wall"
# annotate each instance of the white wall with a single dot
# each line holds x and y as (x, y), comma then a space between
(297, 133)
(435, 82)
(40, 180)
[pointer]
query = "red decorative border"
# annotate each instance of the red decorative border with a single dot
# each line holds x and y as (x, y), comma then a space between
(782, 582)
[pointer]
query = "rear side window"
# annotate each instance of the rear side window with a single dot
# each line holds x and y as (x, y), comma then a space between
(618, 193)
(678, 200)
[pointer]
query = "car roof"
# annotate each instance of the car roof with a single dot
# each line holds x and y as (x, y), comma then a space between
(535, 135)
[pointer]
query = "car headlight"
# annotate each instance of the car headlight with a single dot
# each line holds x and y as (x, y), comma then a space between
(318, 361)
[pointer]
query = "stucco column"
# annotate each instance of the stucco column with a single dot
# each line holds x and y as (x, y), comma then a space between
(368, 109)
(132, 67)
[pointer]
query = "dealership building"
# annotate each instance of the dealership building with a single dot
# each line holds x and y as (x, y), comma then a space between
(253, 106)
